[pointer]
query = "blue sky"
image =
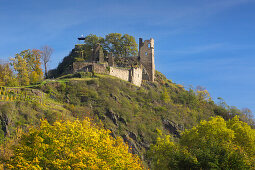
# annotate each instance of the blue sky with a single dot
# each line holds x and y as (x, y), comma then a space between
(199, 42)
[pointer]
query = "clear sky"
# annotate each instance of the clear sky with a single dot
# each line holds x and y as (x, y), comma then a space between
(210, 43)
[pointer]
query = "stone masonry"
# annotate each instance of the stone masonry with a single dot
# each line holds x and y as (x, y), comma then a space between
(122, 68)
(133, 75)
(146, 56)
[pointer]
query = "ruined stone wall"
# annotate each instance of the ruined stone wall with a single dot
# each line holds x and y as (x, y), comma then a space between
(98, 54)
(111, 60)
(136, 75)
(82, 66)
(133, 75)
(100, 68)
(126, 61)
(133, 69)
(120, 73)
(89, 67)
(146, 54)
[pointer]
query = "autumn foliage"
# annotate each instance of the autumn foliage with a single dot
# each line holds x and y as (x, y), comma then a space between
(213, 144)
(71, 145)
(27, 65)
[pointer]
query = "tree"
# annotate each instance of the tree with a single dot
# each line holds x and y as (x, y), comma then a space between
(213, 144)
(71, 145)
(247, 116)
(7, 77)
(129, 46)
(166, 154)
(36, 74)
(28, 66)
(6, 74)
(120, 45)
(244, 136)
(203, 94)
(113, 43)
(20, 65)
(165, 97)
(46, 54)
(91, 40)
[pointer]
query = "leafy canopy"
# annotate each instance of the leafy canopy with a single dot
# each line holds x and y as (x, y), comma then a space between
(7, 77)
(71, 145)
(27, 64)
(213, 144)
(120, 45)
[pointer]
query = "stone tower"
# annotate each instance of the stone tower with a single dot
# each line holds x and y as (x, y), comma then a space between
(146, 54)
(98, 54)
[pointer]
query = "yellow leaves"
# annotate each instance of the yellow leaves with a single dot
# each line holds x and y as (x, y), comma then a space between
(233, 138)
(203, 94)
(70, 145)
(244, 135)
(212, 144)
(165, 96)
(208, 132)
(28, 66)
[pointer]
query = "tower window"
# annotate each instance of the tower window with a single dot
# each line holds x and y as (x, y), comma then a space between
(149, 45)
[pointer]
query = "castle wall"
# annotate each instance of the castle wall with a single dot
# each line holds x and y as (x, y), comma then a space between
(133, 75)
(89, 67)
(136, 75)
(82, 66)
(100, 68)
(120, 73)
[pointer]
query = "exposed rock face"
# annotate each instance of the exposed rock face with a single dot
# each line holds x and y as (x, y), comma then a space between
(4, 123)
(137, 142)
(132, 144)
(132, 135)
(113, 116)
(114, 97)
(123, 121)
(172, 127)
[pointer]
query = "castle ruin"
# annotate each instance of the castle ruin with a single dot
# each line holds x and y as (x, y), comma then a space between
(133, 69)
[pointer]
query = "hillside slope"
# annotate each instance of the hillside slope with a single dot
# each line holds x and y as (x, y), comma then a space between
(134, 113)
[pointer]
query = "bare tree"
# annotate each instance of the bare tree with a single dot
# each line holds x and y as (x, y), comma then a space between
(46, 54)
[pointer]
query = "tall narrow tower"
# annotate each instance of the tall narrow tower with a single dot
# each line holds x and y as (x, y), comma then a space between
(146, 54)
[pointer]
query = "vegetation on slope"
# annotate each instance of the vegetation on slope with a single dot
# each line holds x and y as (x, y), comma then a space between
(71, 145)
(213, 144)
(134, 113)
